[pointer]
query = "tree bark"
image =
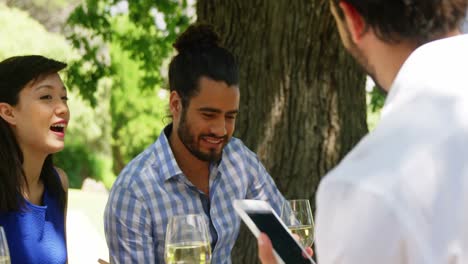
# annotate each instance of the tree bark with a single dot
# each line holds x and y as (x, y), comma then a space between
(302, 96)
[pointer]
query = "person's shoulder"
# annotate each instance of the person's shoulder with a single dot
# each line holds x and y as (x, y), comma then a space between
(370, 165)
(440, 54)
(446, 44)
(237, 147)
(143, 171)
(397, 156)
(138, 164)
(237, 144)
(358, 180)
(144, 159)
(63, 178)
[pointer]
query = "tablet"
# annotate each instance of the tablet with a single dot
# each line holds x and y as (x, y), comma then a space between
(260, 217)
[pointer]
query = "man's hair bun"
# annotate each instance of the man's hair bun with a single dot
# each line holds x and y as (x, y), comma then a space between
(196, 38)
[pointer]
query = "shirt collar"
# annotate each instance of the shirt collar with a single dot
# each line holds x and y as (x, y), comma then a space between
(167, 164)
(424, 70)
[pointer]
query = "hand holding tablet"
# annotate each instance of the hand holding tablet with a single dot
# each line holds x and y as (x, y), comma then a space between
(261, 218)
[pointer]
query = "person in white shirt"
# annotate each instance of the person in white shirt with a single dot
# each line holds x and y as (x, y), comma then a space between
(401, 195)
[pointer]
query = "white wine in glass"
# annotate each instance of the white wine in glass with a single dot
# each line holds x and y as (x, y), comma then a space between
(187, 240)
(191, 252)
(4, 252)
(297, 216)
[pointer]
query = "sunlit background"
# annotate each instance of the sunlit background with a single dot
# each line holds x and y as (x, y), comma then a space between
(118, 105)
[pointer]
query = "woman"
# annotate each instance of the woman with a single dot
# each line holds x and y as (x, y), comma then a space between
(33, 193)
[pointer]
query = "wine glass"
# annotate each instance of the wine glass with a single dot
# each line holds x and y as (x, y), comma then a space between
(187, 240)
(297, 216)
(4, 252)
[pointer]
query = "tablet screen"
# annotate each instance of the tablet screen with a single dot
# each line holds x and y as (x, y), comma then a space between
(283, 243)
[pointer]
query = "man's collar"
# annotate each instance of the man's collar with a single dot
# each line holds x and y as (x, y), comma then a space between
(168, 167)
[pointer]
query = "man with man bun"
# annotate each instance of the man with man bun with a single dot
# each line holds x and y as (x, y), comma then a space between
(195, 166)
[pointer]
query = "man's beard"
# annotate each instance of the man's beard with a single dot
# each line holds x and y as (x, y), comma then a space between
(361, 59)
(190, 141)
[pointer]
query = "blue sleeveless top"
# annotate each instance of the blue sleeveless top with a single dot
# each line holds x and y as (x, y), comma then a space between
(36, 234)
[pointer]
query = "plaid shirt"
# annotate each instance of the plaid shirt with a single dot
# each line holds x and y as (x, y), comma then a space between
(152, 188)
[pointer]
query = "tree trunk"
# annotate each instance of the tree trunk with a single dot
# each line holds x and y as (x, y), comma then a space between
(302, 97)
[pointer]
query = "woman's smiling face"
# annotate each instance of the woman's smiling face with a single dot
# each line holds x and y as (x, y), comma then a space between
(41, 116)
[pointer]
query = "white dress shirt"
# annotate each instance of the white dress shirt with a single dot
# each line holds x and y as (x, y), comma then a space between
(401, 195)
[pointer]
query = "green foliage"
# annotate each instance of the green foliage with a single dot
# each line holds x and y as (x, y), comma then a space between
(85, 152)
(377, 99)
(76, 160)
(21, 35)
(145, 42)
(375, 102)
(127, 46)
(87, 143)
(137, 114)
(79, 163)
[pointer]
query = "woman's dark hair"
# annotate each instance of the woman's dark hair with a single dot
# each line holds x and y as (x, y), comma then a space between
(200, 54)
(15, 74)
(419, 21)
